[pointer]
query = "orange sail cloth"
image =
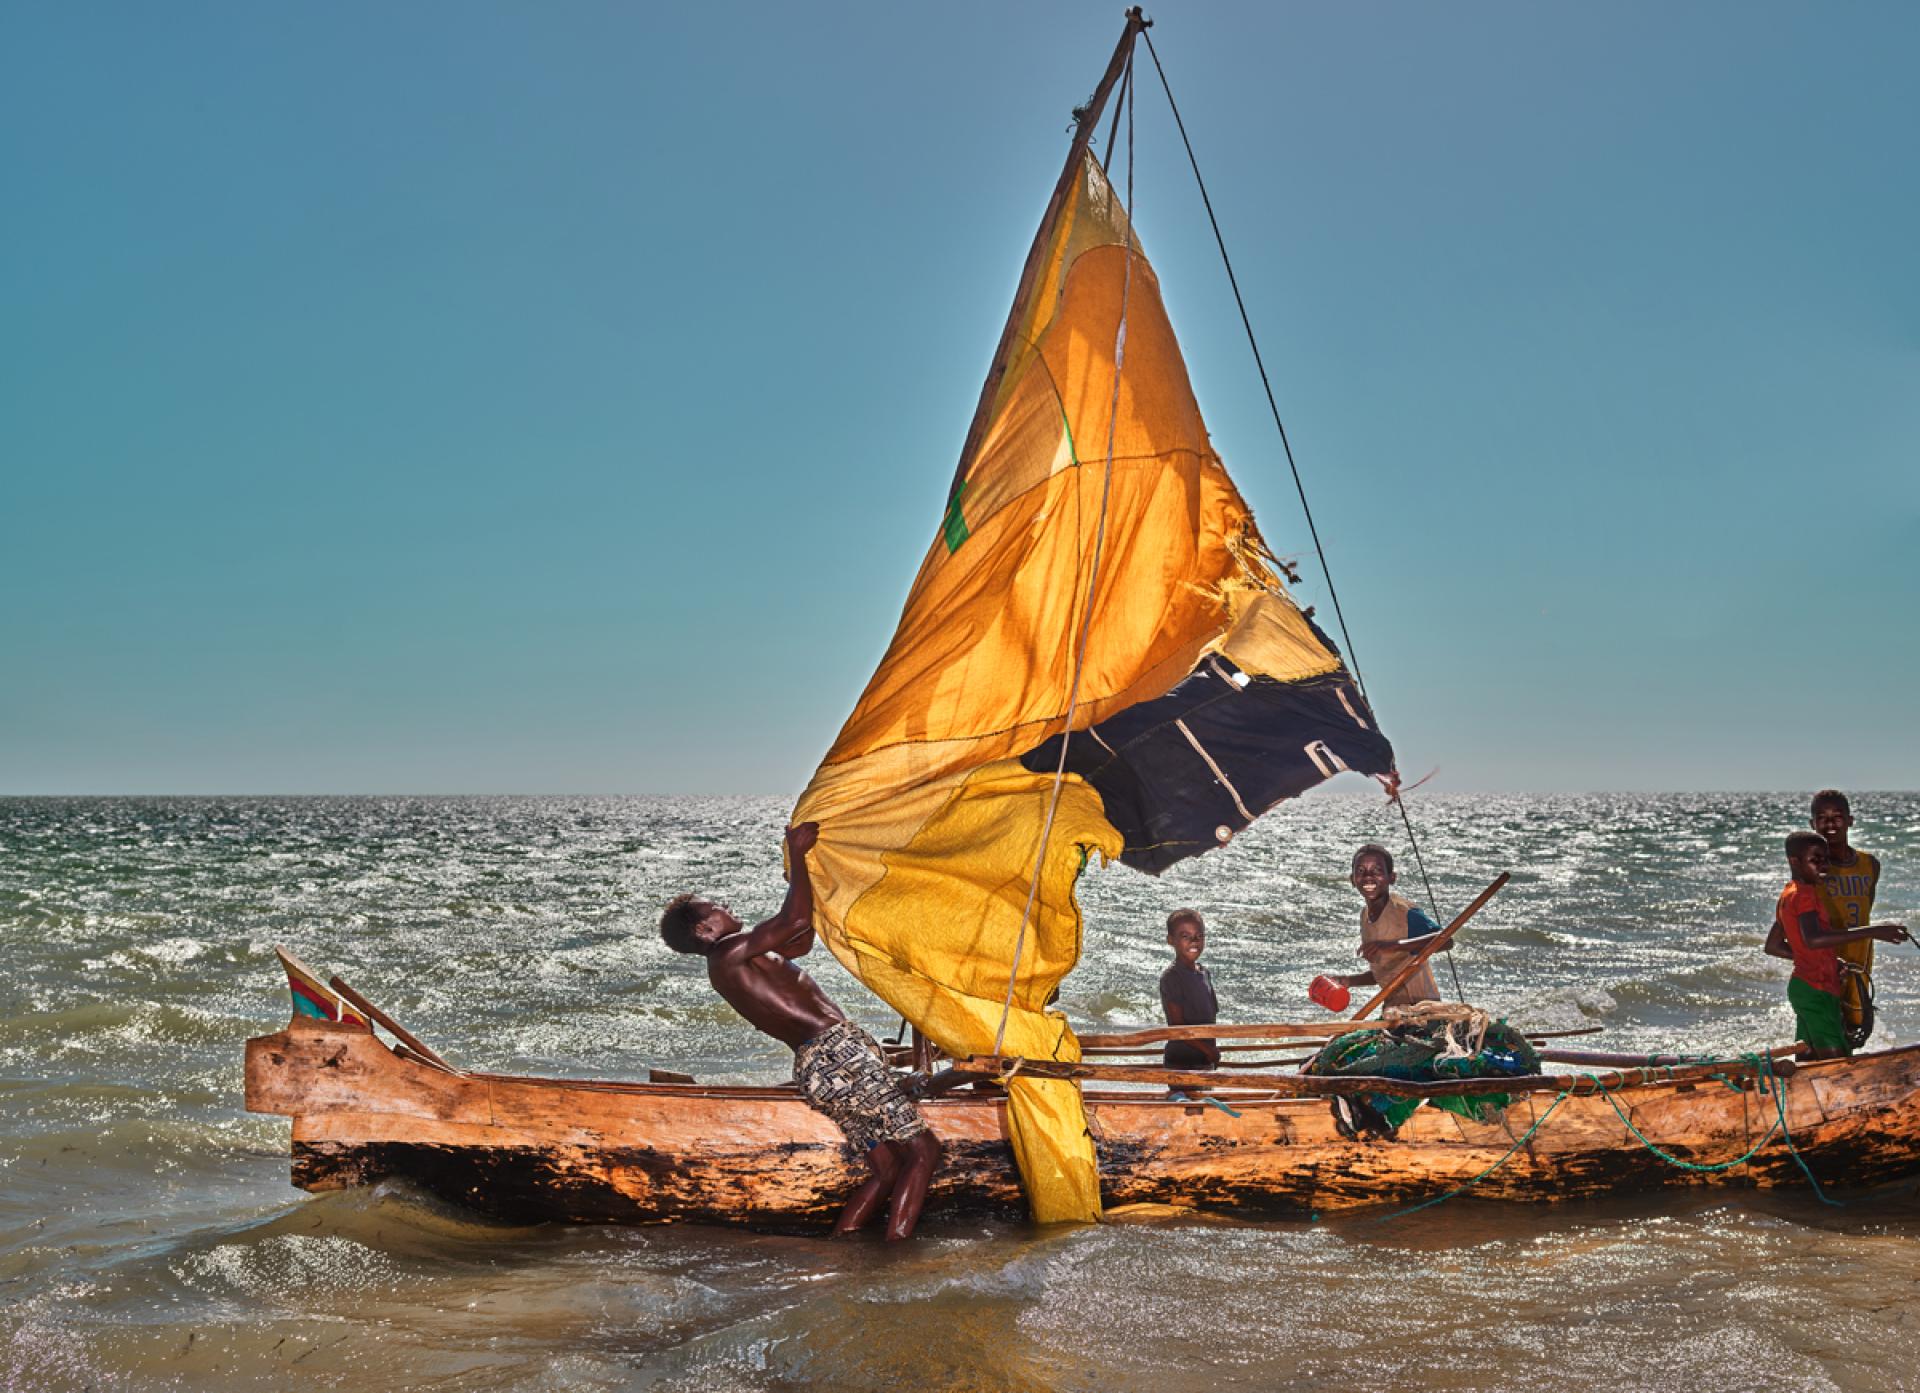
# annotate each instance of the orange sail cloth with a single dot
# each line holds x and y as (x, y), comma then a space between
(1206, 695)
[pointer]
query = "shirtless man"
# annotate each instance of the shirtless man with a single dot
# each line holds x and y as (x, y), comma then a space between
(838, 1066)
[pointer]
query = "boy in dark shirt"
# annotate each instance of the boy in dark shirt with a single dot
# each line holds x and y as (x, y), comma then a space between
(1803, 931)
(1186, 992)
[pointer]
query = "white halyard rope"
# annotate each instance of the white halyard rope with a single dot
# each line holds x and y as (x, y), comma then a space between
(1093, 580)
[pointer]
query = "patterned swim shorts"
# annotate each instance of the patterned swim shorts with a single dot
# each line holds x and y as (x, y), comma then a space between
(842, 1073)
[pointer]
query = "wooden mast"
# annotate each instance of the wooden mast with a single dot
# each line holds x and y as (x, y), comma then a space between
(1086, 118)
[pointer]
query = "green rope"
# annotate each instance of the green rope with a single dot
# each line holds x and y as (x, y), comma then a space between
(1767, 1081)
(1780, 1106)
(1668, 1156)
(1462, 1189)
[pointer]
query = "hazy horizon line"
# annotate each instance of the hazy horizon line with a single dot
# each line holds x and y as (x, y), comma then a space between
(1311, 793)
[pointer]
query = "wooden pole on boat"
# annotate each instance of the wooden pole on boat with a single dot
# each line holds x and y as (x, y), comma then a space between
(1001, 1067)
(1315, 1030)
(1435, 944)
(398, 1031)
(1087, 1050)
(1087, 117)
(1270, 1036)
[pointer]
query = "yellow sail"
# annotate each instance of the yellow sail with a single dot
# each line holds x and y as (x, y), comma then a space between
(1206, 695)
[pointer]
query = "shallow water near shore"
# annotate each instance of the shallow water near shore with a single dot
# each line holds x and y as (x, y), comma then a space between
(149, 1238)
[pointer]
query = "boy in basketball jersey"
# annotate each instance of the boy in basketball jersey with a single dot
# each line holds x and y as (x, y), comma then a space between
(1851, 879)
(1804, 931)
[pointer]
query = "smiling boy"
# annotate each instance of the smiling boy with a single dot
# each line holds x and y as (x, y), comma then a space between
(1390, 930)
(1186, 993)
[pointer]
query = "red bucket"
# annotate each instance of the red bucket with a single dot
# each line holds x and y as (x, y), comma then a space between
(1330, 994)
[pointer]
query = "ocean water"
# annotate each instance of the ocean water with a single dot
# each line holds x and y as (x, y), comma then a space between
(149, 1238)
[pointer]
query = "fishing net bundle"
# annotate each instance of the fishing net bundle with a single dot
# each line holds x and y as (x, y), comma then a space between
(1425, 1043)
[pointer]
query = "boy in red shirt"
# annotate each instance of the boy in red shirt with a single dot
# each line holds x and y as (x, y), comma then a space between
(1803, 932)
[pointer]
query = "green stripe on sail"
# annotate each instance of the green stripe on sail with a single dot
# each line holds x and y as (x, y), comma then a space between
(954, 527)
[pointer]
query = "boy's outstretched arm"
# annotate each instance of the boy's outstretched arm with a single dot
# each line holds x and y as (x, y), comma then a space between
(1419, 929)
(790, 932)
(1816, 937)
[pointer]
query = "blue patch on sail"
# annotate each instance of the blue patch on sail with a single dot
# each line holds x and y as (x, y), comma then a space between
(1187, 771)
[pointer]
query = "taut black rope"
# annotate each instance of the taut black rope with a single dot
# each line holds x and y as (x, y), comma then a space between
(1353, 658)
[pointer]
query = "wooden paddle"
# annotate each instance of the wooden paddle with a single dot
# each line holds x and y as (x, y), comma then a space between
(1435, 944)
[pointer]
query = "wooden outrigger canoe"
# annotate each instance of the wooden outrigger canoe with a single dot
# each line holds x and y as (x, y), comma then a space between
(607, 1152)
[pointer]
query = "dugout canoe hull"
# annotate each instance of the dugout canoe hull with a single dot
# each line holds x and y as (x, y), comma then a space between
(594, 1152)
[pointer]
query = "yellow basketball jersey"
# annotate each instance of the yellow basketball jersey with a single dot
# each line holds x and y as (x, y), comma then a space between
(1850, 890)
(1849, 895)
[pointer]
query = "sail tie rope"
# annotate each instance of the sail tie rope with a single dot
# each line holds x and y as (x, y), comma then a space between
(1450, 1015)
(1273, 406)
(1093, 580)
(1421, 862)
(1780, 1106)
(1704, 1168)
(1259, 363)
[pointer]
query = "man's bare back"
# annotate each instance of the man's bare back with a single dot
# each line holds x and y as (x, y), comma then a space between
(774, 994)
(753, 971)
(839, 1068)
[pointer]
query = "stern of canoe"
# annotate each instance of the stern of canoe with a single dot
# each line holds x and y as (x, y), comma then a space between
(585, 1152)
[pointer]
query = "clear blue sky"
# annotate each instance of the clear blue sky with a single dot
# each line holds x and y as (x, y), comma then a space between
(486, 397)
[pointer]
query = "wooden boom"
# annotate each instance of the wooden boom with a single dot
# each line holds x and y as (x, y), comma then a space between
(1331, 1085)
(399, 1031)
(1318, 1030)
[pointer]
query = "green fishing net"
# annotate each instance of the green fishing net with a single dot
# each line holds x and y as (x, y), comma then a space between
(1421, 1053)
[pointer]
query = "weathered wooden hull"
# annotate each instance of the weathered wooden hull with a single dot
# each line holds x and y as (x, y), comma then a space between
(660, 1153)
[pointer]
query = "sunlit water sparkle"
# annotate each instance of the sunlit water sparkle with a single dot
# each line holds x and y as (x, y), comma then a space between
(148, 1238)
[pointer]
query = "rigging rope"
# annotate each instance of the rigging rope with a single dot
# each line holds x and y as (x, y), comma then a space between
(1457, 1190)
(1353, 658)
(1093, 577)
(1421, 862)
(1767, 1081)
